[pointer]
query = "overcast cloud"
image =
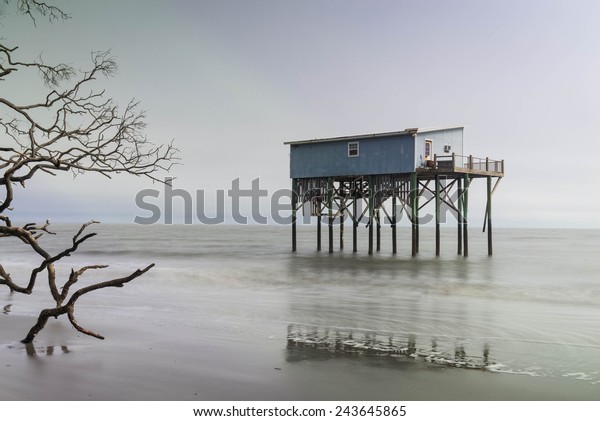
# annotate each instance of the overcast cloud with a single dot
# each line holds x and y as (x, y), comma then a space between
(230, 81)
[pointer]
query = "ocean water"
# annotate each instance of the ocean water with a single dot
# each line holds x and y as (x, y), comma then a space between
(532, 309)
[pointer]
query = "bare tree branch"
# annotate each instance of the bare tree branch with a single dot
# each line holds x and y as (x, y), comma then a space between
(29, 235)
(82, 131)
(72, 126)
(73, 278)
(69, 307)
(32, 7)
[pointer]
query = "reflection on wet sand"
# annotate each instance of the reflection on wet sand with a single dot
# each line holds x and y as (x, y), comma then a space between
(309, 342)
(33, 351)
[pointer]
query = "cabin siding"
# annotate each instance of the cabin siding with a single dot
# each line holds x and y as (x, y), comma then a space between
(439, 138)
(377, 155)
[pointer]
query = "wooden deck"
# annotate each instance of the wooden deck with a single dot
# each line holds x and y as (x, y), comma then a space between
(452, 165)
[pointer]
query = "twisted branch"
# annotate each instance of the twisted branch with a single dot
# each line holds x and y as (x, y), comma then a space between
(72, 127)
(32, 7)
(29, 235)
(69, 307)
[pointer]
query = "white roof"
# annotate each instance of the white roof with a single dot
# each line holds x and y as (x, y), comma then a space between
(374, 135)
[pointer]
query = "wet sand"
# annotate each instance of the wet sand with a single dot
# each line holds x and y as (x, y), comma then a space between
(150, 362)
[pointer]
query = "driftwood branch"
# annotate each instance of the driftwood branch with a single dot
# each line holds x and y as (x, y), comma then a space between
(73, 278)
(69, 307)
(28, 234)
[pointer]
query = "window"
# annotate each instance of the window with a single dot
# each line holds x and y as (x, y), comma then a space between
(352, 149)
(447, 148)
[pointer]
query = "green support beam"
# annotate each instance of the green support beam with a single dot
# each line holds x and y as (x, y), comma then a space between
(437, 215)
(467, 182)
(417, 227)
(320, 205)
(330, 211)
(489, 215)
(459, 220)
(342, 215)
(394, 216)
(355, 220)
(371, 212)
(378, 219)
(414, 212)
(294, 205)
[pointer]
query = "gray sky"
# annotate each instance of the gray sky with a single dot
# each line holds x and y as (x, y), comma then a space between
(231, 80)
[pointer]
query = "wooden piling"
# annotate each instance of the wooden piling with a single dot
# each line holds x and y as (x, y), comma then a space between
(378, 219)
(394, 242)
(294, 205)
(330, 211)
(465, 216)
(354, 221)
(413, 208)
(489, 215)
(319, 204)
(417, 227)
(371, 212)
(459, 220)
(437, 215)
(342, 229)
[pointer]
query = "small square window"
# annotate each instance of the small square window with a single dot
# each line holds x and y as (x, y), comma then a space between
(352, 149)
(447, 148)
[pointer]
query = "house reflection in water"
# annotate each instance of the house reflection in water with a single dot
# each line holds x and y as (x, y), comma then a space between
(312, 342)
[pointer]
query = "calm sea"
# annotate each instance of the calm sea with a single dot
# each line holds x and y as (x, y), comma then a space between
(532, 309)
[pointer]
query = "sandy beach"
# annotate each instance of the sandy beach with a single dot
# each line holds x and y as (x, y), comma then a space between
(213, 322)
(173, 365)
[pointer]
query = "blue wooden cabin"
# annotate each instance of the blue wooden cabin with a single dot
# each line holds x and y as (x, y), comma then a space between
(334, 174)
(399, 152)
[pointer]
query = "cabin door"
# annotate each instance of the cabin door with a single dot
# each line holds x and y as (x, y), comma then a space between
(428, 150)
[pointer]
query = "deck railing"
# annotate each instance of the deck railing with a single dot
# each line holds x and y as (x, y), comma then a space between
(468, 162)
